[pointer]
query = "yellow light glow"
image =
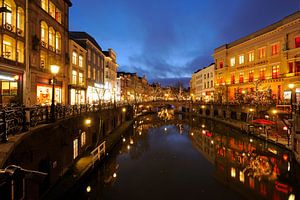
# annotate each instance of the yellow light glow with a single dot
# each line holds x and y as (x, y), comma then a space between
(251, 109)
(192, 134)
(115, 175)
(233, 172)
(88, 189)
(128, 147)
(274, 111)
(54, 69)
(124, 140)
(124, 110)
(88, 121)
(291, 85)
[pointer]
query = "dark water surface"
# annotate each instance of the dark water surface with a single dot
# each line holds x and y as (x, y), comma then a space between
(190, 159)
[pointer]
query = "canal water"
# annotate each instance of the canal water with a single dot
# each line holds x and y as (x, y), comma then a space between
(190, 158)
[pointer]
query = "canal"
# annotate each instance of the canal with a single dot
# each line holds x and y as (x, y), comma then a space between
(190, 158)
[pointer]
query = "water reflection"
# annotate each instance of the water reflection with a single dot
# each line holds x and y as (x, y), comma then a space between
(160, 160)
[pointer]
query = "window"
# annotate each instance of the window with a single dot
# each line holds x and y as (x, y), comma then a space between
(58, 42)
(80, 78)
(95, 58)
(291, 67)
(204, 85)
(44, 5)
(207, 84)
(241, 59)
(232, 79)
(274, 49)
(297, 67)
(232, 62)
(262, 53)
(204, 76)
(89, 54)
(297, 42)
(251, 76)
(251, 56)
(51, 39)
(83, 139)
(75, 148)
(94, 73)
(20, 52)
(58, 15)
(43, 59)
(89, 71)
(44, 34)
(241, 78)
(51, 9)
(9, 88)
(207, 75)
(74, 58)
(74, 77)
(80, 62)
(221, 65)
(99, 76)
(211, 75)
(20, 22)
(8, 17)
(262, 74)
(9, 45)
(275, 71)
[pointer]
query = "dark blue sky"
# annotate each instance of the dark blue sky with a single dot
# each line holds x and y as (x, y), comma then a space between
(172, 38)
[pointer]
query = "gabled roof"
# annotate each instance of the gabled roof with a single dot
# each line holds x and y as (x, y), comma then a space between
(79, 35)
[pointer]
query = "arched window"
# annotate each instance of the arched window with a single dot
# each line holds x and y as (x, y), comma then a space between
(58, 42)
(44, 34)
(20, 21)
(9, 19)
(51, 39)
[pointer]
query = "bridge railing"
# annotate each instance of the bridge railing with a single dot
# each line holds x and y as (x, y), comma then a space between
(98, 152)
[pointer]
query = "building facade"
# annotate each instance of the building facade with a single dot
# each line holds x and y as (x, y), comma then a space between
(204, 84)
(260, 66)
(110, 75)
(77, 74)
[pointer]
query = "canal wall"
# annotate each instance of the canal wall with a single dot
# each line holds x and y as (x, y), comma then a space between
(53, 148)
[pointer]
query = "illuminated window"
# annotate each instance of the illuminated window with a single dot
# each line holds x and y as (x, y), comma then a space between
(43, 59)
(75, 148)
(274, 49)
(44, 5)
(242, 177)
(262, 53)
(58, 42)
(89, 71)
(44, 34)
(9, 45)
(94, 73)
(9, 88)
(262, 74)
(58, 15)
(80, 61)
(251, 56)
(51, 9)
(233, 173)
(74, 58)
(241, 78)
(51, 39)
(297, 42)
(241, 59)
(20, 22)
(232, 62)
(232, 79)
(80, 78)
(251, 76)
(83, 139)
(74, 77)
(221, 65)
(20, 52)
(9, 17)
(275, 71)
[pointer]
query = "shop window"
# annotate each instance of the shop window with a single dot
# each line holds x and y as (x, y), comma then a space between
(74, 58)
(58, 15)
(291, 67)
(274, 49)
(232, 62)
(81, 78)
(75, 148)
(275, 71)
(44, 94)
(9, 45)
(20, 22)
(232, 79)
(44, 34)
(20, 52)
(9, 88)
(251, 56)
(262, 74)
(241, 59)
(80, 61)
(251, 76)
(241, 79)
(44, 5)
(83, 139)
(51, 9)
(51, 39)
(297, 42)
(74, 77)
(262, 53)
(58, 42)
(73, 96)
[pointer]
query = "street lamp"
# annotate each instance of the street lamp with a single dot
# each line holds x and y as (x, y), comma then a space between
(291, 86)
(54, 70)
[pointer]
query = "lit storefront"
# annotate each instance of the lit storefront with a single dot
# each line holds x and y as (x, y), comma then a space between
(93, 95)
(10, 88)
(44, 94)
(77, 96)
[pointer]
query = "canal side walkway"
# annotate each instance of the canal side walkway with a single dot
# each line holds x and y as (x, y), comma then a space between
(84, 164)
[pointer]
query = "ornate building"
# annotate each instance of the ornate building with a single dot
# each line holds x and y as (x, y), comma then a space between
(110, 75)
(260, 66)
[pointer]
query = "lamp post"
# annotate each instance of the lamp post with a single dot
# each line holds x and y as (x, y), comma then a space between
(291, 86)
(54, 70)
